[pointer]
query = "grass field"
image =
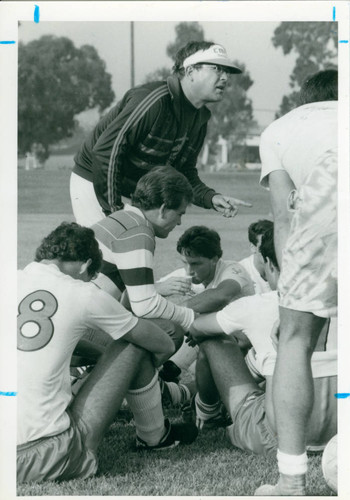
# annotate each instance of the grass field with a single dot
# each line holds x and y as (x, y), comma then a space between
(210, 466)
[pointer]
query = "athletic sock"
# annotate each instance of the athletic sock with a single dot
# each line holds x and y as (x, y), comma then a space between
(178, 393)
(292, 464)
(146, 406)
(293, 469)
(205, 411)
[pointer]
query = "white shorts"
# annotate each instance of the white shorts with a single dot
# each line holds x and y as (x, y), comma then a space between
(308, 280)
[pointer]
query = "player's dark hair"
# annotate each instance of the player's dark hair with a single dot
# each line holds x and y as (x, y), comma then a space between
(162, 185)
(267, 247)
(70, 242)
(200, 241)
(257, 228)
(322, 86)
(189, 49)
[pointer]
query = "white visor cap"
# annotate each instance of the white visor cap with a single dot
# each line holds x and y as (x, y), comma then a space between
(216, 54)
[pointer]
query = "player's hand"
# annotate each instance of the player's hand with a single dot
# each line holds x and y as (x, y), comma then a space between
(227, 205)
(190, 340)
(174, 285)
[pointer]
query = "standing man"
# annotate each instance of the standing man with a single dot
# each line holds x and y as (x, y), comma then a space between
(155, 124)
(299, 165)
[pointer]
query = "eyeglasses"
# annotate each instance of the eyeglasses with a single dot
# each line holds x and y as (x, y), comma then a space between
(219, 70)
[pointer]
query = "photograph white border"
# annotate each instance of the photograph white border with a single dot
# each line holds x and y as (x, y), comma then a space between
(260, 11)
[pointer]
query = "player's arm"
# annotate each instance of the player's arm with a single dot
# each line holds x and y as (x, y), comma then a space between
(107, 314)
(137, 274)
(150, 337)
(215, 299)
(204, 326)
(280, 185)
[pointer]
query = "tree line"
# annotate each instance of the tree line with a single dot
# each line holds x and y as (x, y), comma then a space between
(57, 81)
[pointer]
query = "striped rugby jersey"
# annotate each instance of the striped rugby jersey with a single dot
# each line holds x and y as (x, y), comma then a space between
(127, 240)
(153, 125)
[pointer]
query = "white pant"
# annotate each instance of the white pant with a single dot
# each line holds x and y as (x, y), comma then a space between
(86, 208)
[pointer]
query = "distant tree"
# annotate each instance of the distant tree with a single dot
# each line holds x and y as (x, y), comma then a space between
(315, 44)
(56, 81)
(185, 32)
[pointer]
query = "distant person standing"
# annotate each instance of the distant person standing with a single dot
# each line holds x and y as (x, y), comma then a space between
(155, 124)
(299, 165)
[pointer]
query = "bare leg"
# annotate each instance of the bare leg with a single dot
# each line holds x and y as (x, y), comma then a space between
(101, 396)
(206, 387)
(293, 398)
(299, 332)
(229, 371)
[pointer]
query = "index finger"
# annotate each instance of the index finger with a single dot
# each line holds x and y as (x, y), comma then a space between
(241, 202)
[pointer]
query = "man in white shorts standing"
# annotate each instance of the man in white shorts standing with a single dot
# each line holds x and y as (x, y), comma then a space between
(299, 165)
(58, 437)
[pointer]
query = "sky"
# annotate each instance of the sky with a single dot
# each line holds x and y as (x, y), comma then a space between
(248, 42)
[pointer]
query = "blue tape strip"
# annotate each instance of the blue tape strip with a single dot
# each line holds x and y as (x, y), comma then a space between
(6, 42)
(2, 393)
(343, 41)
(334, 12)
(342, 395)
(36, 14)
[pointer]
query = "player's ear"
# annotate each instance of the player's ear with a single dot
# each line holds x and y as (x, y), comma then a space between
(85, 266)
(270, 265)
(162, 211)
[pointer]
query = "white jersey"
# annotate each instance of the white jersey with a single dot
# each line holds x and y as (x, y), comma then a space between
(231, 270)
(224, 270)
(54, 312)
(256, 316)
(296, 140)
(260, 285)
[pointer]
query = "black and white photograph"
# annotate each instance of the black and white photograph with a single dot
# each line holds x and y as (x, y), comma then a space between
(175, 218)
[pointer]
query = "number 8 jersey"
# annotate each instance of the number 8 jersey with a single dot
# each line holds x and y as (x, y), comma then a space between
(54, 312)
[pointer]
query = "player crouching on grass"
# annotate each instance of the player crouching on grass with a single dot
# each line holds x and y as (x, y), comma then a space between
(223, 376)
(58, 437)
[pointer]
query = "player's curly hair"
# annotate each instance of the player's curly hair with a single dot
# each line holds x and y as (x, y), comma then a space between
(200, 241)
(162, 185)
(71, 242)
(189, 49)
(258, 228)
(267, 247)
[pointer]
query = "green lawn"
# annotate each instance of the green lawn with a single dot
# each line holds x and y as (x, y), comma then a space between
(210, 466)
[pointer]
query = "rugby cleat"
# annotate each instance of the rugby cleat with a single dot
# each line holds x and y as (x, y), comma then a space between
(175, 434)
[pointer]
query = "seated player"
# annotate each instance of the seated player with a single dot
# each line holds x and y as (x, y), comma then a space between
(223, 376)
(223, 282)
(58, 437)
(128, 238)
(254, 264)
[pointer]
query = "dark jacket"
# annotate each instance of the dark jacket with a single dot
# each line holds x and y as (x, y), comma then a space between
(154, 124)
